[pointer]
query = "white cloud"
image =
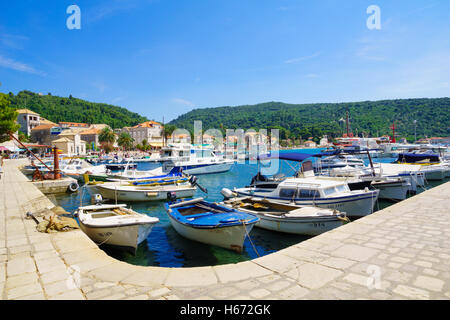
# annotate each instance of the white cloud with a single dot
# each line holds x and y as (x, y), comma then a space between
(300, 59)
(183, 102)
(18, 66)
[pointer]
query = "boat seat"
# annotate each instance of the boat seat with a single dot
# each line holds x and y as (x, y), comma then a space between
(192, 210)
(307, 211)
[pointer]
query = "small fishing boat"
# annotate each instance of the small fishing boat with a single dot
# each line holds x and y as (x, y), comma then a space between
(115, 225)
(210, 223)
(121, 192)
(289, 218)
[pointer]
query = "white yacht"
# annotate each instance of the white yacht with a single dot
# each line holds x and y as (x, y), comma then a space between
(308, 190)
(391, 188)
(198, 160)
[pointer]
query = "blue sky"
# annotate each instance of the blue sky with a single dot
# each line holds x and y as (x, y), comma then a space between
(164, 58)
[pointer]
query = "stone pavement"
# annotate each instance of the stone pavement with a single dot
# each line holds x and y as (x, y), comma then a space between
(402, 252)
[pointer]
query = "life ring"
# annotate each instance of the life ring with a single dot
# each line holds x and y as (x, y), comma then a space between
(73, 187)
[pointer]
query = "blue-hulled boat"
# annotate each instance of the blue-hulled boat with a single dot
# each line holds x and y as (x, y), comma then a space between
(210, 223)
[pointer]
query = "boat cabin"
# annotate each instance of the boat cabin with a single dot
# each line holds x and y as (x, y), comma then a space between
(310, 188)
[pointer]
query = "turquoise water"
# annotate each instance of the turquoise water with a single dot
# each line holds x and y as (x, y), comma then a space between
(165, 248)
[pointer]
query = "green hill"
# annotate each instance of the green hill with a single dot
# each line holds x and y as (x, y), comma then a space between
(372, 118)
(71, 109)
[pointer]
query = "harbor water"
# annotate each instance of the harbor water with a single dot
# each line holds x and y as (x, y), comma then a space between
(164, 247)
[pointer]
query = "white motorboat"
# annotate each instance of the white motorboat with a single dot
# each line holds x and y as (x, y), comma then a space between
(288, 218)
(306, 189)
(77, 167)
(338, 161)
(391, 188)
(128, 192)
(201, 160)
(115, 225)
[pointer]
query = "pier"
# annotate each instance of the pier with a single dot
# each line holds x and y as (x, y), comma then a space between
(401, 252)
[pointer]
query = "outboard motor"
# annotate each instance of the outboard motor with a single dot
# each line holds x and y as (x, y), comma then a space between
(97, 199)
(193, 181)
(171, 196)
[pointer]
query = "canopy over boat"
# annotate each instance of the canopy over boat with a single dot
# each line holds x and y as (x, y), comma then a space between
(415, 157)
(300, 156)
(292, 156)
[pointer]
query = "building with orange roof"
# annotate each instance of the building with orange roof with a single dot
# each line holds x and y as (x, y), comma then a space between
(67, 125)
(151, 131)
(91, 135)
(28, 120)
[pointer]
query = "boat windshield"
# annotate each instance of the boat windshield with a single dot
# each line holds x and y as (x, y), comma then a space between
(342, 188)
(287, 193)
(329, 191)
(307, 193)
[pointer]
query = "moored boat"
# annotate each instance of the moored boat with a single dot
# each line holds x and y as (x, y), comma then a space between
(211, 223)
(121, 192)
(289, 218)
(115, 225)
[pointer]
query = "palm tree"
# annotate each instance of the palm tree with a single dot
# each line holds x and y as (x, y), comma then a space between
(168, 130)
(125, 140)
(107, 138)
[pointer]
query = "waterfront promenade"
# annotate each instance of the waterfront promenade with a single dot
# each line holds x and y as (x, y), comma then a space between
(401, 252)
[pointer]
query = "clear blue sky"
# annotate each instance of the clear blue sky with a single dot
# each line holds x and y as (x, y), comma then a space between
(164, 58)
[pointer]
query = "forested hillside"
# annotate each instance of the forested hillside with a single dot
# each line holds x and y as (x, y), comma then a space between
(372, 118)
(71, 109)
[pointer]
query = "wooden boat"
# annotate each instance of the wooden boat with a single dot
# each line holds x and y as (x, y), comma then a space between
(121, 192)
(115, 225)
(211, 223)
(288, 218)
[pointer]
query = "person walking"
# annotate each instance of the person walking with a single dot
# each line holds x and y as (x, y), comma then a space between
(1, 166)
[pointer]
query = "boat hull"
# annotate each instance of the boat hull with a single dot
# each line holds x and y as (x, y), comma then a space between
(303, 226)
(123, 237)
(109, 192)
(231, 237)
(435, 174)
(393, 191)
(205, 168)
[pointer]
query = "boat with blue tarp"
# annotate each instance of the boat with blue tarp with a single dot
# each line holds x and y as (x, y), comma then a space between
(210, 223)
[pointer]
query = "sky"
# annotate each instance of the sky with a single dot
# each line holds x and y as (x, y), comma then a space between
(163, 58)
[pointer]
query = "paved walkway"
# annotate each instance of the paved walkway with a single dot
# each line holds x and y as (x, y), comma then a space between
(402, 252)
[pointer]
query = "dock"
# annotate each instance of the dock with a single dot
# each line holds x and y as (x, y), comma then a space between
(401, 252)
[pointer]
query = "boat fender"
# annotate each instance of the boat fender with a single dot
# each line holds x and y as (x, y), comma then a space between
(73, 187)
(227, 193)
(366, 189)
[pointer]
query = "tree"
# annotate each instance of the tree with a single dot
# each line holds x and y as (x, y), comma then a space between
(8, 117)
(23, 137)
(107, 135)
(125, 140)
(106, 139)
(168, 130)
